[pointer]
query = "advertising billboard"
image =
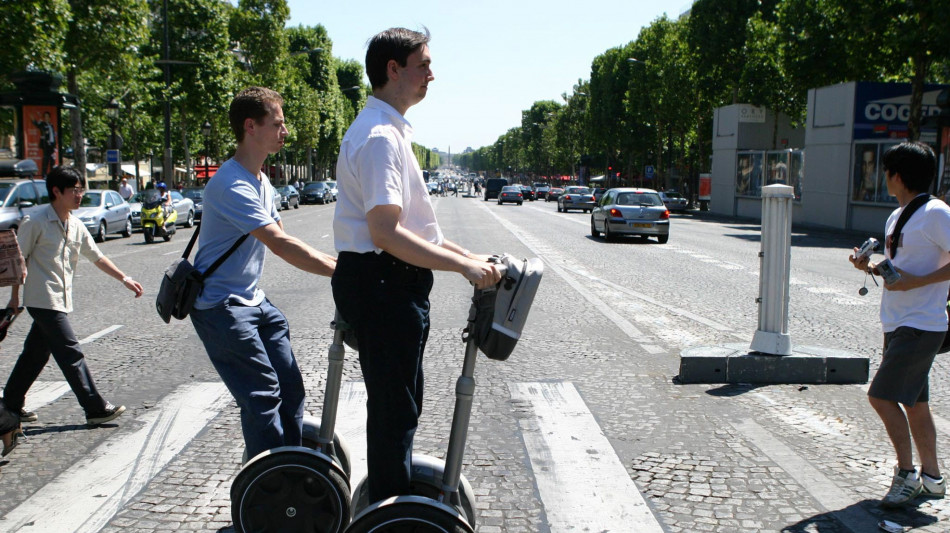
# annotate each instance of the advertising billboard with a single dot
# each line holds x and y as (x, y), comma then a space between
(41, 125)
(881, 110)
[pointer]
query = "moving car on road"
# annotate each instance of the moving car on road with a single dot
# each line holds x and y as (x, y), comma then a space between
(553, 194)
(631, 211)
(493, 187)
(316, 192)
(511, 194)
(673, 201)
(104, 212)
(575, 197)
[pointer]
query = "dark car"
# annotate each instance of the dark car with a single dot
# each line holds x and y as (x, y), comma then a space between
(196, 195)
(631, 211)
(541, 191)
(289, 197)
(575, 197)
(316, 192)
(553, 194)
(528, 192)
(510, 194)
(493, 187)
(598, 193)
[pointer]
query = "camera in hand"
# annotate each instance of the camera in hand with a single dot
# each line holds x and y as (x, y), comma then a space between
(888, 272)
(866, 249)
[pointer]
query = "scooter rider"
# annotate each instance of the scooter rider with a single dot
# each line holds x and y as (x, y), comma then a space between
(166, 198)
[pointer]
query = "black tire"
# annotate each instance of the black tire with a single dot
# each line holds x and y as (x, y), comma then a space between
(149, 233)
(297, 204)
(519, 203)
(593, 230)
(190, 219)
(167, 236)
(127, 232)
(290, 490)
(663, 239)
(609, 236)
(101, 233)
(408, 516)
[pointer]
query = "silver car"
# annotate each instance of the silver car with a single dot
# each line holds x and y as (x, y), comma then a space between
(104, 212)
(19, 198)
(333, 189)
(575, 197)
(673, 200)
(185, 208)
(631, 211)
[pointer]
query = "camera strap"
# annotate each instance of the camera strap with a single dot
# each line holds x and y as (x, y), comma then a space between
(909, 210)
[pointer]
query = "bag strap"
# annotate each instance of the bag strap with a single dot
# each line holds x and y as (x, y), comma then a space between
(191, 243)
(908, 211)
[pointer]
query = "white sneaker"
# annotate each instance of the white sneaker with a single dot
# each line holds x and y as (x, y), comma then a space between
(933, 488)
(905, 486)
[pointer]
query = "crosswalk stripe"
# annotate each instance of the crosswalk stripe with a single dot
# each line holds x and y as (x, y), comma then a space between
(85, 497)
(43, 393)
(581, 481)
(102, 333)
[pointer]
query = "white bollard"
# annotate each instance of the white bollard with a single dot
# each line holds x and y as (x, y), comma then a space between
(775, 255)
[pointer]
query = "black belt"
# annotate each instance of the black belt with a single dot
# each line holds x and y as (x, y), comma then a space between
(383, 258)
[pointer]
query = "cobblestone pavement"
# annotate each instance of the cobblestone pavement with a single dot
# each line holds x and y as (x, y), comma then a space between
(610, 320)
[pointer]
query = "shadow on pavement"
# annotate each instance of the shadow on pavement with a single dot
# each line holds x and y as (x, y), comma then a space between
(908, 517)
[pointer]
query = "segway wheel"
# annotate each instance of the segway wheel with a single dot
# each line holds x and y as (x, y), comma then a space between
(340, 452)
(409, 515)
(292, 490)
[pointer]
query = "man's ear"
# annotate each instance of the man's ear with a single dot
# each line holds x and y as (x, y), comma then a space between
(249, 125)
(392, 69)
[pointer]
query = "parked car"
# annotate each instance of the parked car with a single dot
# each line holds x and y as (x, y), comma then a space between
(288, 197)
(528, 192)
(316, 192)
(510, 194)
(185, 208)
(104, 212)
(575, 197)
(333, 189)
(673, 201)
(631, 211)
(196, 195)
(553, 194)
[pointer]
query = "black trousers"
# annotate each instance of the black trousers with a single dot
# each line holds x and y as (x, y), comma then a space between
(387, 303)
(51, 333)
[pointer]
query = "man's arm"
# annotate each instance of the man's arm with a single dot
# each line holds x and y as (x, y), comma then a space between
(294, 251)
(388, 234)
(107, 266)
(910, 281)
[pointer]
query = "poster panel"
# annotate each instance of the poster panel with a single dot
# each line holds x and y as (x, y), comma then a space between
(41, 124)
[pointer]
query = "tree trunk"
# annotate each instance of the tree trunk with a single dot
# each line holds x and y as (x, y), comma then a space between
(186, 149)
(921, 61)
(75, 126)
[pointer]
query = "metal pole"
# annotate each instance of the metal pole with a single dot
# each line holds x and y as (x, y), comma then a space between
(167, 169)
(772, 337)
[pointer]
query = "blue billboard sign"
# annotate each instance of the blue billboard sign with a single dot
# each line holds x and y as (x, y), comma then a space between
(881, 110)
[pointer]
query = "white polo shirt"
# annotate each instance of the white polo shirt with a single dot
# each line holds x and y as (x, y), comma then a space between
(377, 167)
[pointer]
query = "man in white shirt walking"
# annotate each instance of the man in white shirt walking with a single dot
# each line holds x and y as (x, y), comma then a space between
(389, 241)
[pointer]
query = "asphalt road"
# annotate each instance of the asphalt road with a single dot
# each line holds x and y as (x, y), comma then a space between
(584, 428)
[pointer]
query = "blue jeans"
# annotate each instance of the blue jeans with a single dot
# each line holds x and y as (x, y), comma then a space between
(386, 301)
(249, 346)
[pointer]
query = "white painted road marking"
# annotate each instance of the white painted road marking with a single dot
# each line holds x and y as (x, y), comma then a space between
(43, 393)
(87, 495)
(840, 502)
(102, 333)
(581, 481)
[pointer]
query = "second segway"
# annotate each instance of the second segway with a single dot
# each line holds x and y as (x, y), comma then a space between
(300, 488)
(442, 500)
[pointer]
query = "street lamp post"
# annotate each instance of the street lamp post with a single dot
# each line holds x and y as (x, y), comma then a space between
(206, 132)
(115, 143)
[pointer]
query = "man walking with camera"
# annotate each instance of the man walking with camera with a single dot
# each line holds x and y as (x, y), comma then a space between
(914, 319)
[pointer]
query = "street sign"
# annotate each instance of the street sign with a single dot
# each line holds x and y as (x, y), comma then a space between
(649, 172)
(113, 156)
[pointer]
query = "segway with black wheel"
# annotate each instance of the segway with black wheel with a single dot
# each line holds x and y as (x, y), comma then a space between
(442, 500)
(303, 489)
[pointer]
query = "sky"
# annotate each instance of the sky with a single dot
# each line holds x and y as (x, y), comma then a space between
(492, 59)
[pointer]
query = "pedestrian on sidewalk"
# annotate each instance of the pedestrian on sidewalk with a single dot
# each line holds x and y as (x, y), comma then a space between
(914, 320)
(389, 241)
(246, 337)
(51, 242)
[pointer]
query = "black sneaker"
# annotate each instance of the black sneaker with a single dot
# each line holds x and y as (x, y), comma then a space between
(28, 416)
(108, 414)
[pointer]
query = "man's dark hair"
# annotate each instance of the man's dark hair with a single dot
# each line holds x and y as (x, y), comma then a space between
(394, 43)
(63, 178)
(254, 103)
(914, 161)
